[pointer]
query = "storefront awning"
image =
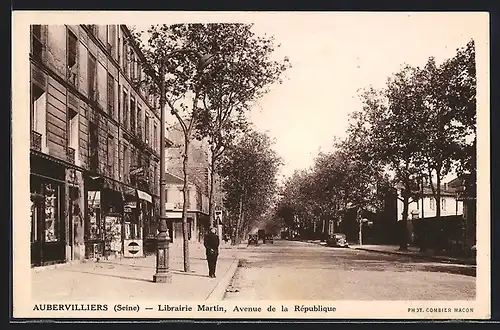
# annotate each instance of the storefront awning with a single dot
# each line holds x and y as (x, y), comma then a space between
(144, 196)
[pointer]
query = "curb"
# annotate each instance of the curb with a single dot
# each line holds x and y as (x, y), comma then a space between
(220, 289)
(423, 257)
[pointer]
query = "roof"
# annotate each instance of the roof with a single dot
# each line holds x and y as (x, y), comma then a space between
(174, 179)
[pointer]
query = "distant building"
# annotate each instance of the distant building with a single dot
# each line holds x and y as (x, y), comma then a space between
(198, 175)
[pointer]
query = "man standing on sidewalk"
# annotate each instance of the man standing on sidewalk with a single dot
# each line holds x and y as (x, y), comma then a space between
(211, 243)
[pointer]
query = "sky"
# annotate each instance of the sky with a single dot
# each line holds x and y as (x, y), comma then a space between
(334, 55)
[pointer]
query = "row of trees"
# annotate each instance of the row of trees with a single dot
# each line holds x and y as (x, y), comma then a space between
(209, 76)
(422, 125)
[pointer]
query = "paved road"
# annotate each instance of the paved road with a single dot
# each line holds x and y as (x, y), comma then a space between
(298, 270)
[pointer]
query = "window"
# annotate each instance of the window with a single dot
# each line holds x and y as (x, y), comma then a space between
(92, 28)
(125, 57)
(37, 118)
(443, 204)
(36, 41)
(72, 57)
(111, 95)
(139, 122)
(146, 130)
(111, 37)
(155, 137)
(120, 160)
(38, 107)
(432, 203)
(126, 163)
(92, 77)
(125, 109)
(51, 193)
(93, 147)
(110, 155)
(132, 66)
(73, 130)
(132, 114)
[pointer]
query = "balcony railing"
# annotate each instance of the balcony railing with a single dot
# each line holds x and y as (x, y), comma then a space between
(36, 141)
(71, 155)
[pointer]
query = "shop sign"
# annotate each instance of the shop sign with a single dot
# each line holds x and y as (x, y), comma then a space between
(133, 248)
(94, 199)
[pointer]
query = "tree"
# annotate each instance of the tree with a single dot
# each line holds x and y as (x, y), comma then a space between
(249, 169)
(179, 81)
(395, 116)
(244, 71)
(449, 116)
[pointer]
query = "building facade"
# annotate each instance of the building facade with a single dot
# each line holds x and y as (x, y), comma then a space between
(94, 151)
(198, 175)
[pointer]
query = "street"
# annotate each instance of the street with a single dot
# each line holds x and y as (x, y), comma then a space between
(295, 270)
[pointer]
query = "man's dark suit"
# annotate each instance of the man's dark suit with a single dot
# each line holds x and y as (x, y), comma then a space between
(211, 243)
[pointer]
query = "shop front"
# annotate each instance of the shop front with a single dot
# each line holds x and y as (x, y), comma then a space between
(47, 186)
(104, 216)
(137, 218)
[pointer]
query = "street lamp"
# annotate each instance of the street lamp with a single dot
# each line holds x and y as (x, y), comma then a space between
(163, 274)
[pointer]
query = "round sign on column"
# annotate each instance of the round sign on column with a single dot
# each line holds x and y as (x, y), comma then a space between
(133, 248)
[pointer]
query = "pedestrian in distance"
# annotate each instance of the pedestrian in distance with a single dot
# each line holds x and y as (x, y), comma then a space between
(211, 243)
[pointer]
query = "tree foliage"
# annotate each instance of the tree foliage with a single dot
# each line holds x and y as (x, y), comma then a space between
(249, 169)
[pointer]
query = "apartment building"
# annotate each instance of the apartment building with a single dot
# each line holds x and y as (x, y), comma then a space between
(198, 175)
(94, 151)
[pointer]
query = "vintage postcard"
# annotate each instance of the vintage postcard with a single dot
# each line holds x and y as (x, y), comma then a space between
(185, 165)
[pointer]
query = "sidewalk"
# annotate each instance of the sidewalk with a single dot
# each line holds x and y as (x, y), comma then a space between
(414, 252)
(132, 278)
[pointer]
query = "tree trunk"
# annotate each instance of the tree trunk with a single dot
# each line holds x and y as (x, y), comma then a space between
(211, 193)
(238, 221)
(404, 230)
(439, 239)
(185, 229)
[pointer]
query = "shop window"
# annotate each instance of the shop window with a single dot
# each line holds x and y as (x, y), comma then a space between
(36, 41)
(34, 221)
(51, 193)
(71, 56)
(94, 228)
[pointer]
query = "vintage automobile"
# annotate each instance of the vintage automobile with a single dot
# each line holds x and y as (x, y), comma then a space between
(337, 240)
(269, 239)
(253, 239)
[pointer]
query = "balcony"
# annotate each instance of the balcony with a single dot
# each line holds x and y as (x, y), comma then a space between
(36, 141)
(71, 155)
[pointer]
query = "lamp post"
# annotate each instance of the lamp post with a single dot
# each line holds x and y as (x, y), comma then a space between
(163, 274)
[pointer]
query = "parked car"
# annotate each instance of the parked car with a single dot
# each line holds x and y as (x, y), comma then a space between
(337, 240)
(269, 239)
(253, 240)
